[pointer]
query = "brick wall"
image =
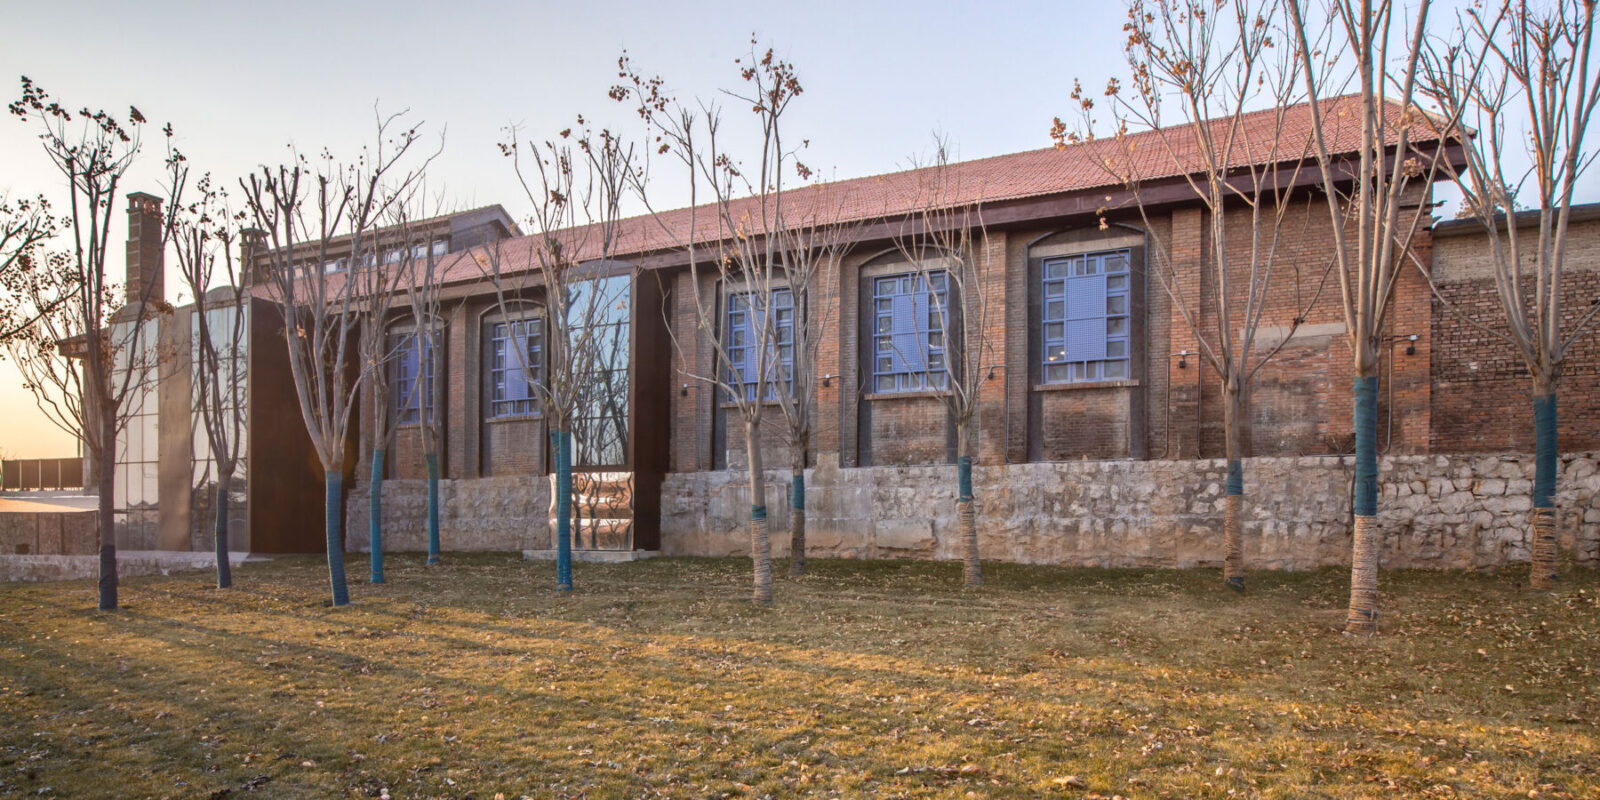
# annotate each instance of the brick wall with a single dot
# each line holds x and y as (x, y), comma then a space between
(775, 448)
(910, 429)
(1481, 391)
(513, 447)
(1085, 423)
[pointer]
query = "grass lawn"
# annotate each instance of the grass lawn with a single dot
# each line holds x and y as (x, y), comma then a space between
(866, 679)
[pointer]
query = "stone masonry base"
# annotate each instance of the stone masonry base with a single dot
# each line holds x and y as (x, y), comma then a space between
(1439, 512)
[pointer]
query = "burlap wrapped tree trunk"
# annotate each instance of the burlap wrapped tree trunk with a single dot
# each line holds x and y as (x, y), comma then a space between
(1366, 538)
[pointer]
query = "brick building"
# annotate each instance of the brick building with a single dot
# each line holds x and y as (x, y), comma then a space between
(1055, 230)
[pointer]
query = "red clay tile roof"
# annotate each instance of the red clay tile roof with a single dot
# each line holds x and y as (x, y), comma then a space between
(1018, 176)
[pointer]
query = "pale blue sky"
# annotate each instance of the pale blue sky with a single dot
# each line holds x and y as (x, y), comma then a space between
(241, 80)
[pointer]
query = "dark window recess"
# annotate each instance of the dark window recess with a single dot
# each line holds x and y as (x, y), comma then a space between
(411, 384)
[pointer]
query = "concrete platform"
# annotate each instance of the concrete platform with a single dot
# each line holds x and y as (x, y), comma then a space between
(593, 556)
(130, 563)
(47, 502)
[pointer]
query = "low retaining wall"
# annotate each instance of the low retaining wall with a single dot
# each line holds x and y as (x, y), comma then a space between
(130, 564)
(474, 514)
(50, 532)
(1437, 512)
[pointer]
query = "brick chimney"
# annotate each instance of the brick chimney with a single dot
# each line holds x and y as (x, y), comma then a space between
(146, 256)
(252, 256)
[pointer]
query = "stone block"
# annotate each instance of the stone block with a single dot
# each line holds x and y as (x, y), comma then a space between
(904, 534)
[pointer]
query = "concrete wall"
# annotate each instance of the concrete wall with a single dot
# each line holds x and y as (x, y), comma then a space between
(1437, 512)
(511, 513)
(50, 532)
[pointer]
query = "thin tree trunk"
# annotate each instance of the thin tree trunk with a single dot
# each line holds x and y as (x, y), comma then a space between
(797, 513)
(1543, 545)
(375, 516)
(559, 440)
(108, 522)
(433, 508)
(760, 543)
(334, 524)
(971, 567)
(1365, 536)
(224, 569)
(1232, 521)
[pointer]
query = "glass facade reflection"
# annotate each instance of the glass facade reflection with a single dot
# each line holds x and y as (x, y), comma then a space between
(598, 314)
(136, 479)
(228, 384)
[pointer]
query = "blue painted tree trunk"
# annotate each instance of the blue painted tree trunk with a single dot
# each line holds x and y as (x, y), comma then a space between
(1232, 535)
(797, 523)
(559, 441)
(106, 465)
(224, 569)
(375, 516)
(334, 515)
(433, 508)
(1365, 538)
(1544, 549)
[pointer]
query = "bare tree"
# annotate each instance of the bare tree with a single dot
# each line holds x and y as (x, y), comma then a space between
(808, 253)
(561, 297)
(1216, 61)
(93, 150)
(31, 283)
(380, 271)
(736, 242)
(949, 349)
(1366, 194)
(422, 281)
(1530, 65)
(204, 234)
(312, 218)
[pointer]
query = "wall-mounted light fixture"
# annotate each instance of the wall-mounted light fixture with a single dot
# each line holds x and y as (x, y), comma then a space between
(827, 380)
(684, 392)
(1183, 359)
(1411, 345)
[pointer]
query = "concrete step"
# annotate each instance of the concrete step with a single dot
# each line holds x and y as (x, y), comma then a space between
(593, 556)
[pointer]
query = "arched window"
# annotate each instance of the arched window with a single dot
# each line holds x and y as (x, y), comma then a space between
(413, 371)
(909, 316)
(744, 335)
(513, 364)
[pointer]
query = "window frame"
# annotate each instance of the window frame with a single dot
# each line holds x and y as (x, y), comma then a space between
(903, 375)
(781, 367)
(425, 406)
(496, 377)
(1057, 364)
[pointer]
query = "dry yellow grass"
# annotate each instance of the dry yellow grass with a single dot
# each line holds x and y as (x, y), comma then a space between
(865, 680)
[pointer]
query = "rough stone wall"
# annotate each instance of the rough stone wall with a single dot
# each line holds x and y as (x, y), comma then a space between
(1437, 512)
(511, 513)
